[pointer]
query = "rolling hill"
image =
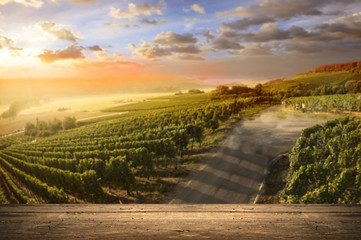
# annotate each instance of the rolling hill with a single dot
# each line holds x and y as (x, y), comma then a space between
(330, 76)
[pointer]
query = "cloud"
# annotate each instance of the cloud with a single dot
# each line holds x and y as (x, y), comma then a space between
(243, 23)
(312, 47)
(345, 26)
(197, 8)
(70, 52)
(121, 25)
(268, 32)
(284, 9)
(185, 49)
(87, 2)
(221, 43)
(100, 52)
(153, 22)
(168, 44)
(174, 38)
(95, 48)
(208, 34)
(58, 31)
(150, 51)
(135, 10)
(254, 49)
(27, 3)
(331, 36)
(40, 3)
(5, 42)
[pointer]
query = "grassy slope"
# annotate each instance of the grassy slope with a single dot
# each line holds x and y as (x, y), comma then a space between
(162, 102)
(153, 190)
(311, 81)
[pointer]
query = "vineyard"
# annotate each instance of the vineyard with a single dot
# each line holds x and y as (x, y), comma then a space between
(133, 158)
(327, 103)
(325, 164)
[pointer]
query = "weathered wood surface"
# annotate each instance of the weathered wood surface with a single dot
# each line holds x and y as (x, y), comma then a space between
(180, 222)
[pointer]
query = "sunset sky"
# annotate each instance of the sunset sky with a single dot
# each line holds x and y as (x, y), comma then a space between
(210, 40)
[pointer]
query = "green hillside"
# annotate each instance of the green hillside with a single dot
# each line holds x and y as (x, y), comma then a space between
(327, 79)
(309, 82)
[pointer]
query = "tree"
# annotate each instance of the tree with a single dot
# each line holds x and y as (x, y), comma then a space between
(198, 134)
(221, 89)
(259, 89)
(351, 86)
(91, 183)
(215, 121)
(180, 139)
(120, 172)
(69, 122)
(30, 129)
(190, 132)
(55, 125)
(170, 151)
(195, 91)
(145, 160)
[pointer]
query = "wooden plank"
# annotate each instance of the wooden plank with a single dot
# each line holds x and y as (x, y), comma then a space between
(180, 221)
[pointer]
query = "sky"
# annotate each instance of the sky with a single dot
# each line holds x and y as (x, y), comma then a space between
(209, 40)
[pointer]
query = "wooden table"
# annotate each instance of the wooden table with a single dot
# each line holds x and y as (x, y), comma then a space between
(206, 221)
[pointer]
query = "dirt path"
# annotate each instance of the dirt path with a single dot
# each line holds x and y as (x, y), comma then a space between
(235, 172)
(101, 116)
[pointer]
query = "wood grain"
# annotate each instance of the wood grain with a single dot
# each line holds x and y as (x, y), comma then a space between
(208, 221)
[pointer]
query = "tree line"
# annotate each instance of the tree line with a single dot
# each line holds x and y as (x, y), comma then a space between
(44, 129)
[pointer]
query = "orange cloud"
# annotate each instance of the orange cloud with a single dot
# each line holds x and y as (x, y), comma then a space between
(58, 31)
(137, 10)
(70, 52)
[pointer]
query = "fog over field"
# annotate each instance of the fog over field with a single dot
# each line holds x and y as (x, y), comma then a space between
(80, 107)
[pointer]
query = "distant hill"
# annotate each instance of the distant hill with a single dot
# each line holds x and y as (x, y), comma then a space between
(326, 79)
(349, 67)
(13, 89)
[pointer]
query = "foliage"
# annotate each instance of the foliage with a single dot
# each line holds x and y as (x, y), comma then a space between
(44, 129)
(315, 84)
(325, 164)
(351, 67)
(347, 102)
(19, 194)
(50, 194)
(3, 199)
(117, 153)
(165, 102)
(69, 123)
(19, 105)
(195, 91)
(223, 91)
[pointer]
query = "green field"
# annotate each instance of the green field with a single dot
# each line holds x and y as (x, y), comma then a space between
(162, 102)
(310, 81)
(328, 103)
(138, 156)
